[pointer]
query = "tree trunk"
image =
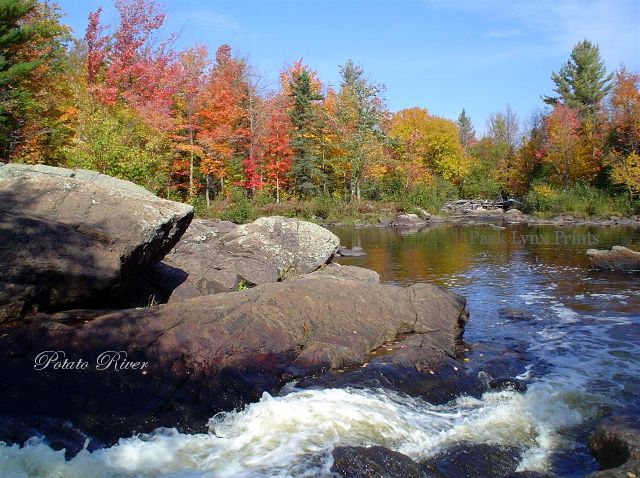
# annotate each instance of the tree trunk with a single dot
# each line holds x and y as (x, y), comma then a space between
(206, 193)
(191, 191)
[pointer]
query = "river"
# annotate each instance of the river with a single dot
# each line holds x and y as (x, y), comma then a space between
(578, 328)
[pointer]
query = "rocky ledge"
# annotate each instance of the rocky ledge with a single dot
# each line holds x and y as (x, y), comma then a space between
(178, 364)
(115, 320)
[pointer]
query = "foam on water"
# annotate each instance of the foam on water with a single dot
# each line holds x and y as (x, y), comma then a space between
(293, 435)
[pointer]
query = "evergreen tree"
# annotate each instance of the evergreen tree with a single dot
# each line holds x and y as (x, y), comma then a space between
(304, 121)
(13, 34)
(465, 130)
(582, 82)
(34, 87)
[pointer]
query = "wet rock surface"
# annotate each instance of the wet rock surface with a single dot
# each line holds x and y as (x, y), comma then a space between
(216, 352)
(374, 462)
(405, 367)
(470, 460)
(615, 443)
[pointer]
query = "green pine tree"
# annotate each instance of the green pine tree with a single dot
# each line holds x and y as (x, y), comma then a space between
(305, 122)
(13, 34)
(582, 82)
(466, 132)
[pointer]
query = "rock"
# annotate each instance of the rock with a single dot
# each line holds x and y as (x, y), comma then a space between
(374, 462)
(214, 353)
(422, 214)
(515, 216)
(512, 384)
(56, 433)
(618, 258)
(408, 220)
(471, 460)
(293, 246)
(406, 366)
(615, 443)
(338, 271)
(355, 251)
(510, 313)
(215, 257)
(210, 267)
(75, 238)
(468, 209)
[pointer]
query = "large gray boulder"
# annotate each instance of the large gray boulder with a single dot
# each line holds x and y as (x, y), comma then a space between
(215, 352)
(293, 246)
(618, 258)
(215, 257)
(76, 238)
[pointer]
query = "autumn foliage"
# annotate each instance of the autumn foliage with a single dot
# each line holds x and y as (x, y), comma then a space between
(196, 125)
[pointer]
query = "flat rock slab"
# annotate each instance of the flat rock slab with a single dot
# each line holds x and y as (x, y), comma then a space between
(77, 238)
(216, 352)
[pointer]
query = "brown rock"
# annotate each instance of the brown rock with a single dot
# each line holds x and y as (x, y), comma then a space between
(618, 258)
(215, 352)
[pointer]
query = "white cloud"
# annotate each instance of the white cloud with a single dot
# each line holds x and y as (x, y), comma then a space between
(557, 25)
(204, 19)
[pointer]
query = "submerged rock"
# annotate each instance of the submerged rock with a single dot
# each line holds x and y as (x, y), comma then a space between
(618, 258)
(615, 443)
(77, 238)
(355, 251)
(510, 313)
(213, 353)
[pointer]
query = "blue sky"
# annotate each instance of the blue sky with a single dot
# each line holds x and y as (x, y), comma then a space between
(442, 55)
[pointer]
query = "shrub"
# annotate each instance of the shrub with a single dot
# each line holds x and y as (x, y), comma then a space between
(479, 185)
(430, 197)
(579, 200)
(240, 209)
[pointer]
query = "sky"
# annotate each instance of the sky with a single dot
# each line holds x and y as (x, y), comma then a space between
(480, 55)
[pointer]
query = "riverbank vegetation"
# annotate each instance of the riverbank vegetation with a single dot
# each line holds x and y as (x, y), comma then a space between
(196, 126)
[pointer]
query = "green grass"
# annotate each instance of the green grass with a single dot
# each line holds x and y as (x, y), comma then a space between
(580, 201)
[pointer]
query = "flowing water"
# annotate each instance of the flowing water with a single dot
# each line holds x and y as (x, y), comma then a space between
(580, 336)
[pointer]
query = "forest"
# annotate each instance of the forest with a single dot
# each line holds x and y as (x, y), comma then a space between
(196, 126)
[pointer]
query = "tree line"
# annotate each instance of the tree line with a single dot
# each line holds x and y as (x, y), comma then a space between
(193, 126)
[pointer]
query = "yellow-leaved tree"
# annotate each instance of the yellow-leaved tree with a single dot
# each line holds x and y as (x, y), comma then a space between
(430, 142)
